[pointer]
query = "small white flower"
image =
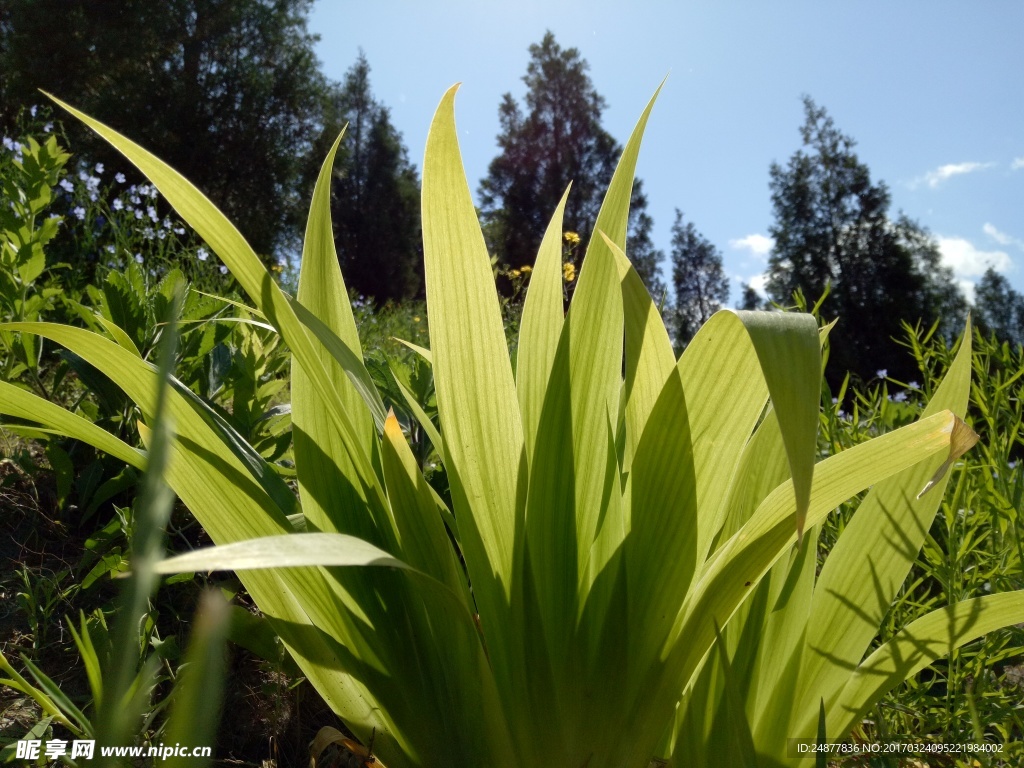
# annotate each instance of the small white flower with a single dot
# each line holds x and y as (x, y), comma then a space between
(913, 385)
(67, 186)
(99, 167)
(899, 397)
(48, 128)
(32, 110)
(223, 269)
(138, 258)
(882, 373)
(119, 177)
(202, 254)
(151, 212)
(179, 230)
(83, 175)
(117, 205)
(9, 143)
(79, 212)
(110, 249)
(138, 213)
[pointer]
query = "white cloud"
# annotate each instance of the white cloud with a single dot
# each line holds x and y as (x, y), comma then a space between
(967, 289)
(1001, 237)
(759, 283)
(968, 261)
(1017, 164)
(759, 245)
(935, 178)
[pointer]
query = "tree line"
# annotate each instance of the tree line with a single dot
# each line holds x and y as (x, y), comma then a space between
(230, 92)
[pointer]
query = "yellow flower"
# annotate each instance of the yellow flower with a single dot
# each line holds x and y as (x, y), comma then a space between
(416, 319)
(571, 238)
(514, 273)
(569, 271)
(526, 269)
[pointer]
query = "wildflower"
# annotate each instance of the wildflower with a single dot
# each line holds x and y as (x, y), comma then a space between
(67, 186)
(179, 231)
(79, 212)
(32, 110)
(202, 254)
(913, 385)
(882, 373)
(223, 269)
(899, 397)
(569, 271)
(83, 175)
(138, 258)
(514, 273)
(276, 267)
(151, 212)
(110, 249)
(526, 269)
(117, 205)
(138, 213)
(8, 143)
(48, 128)
(119, 177)
(571, 238)
(99, 168)
(416, 318)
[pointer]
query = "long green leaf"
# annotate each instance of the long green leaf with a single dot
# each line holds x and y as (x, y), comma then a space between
(227, 242)
(473, 379)
(541, 326)
(15, 401)
(736, 567)
(917, 645)
(870, 561)
(291, 550)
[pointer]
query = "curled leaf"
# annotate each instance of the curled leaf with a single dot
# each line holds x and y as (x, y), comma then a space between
(961, 441)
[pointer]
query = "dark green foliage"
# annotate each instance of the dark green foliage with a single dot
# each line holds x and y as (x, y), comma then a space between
(227, 91)
(699, 280)
(375, 199)
(750, 300)
(832, 228)
(558, 140)
(999, 308)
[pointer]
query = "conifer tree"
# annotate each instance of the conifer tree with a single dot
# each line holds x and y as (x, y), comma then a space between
(375, 196)
(832, 228)
(698, 278)
(554, 139)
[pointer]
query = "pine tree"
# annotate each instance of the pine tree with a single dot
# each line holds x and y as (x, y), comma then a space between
(750, 299)
(699, 280)
(832, 228)
(1000, 309)
(375, 200)
(557, 139)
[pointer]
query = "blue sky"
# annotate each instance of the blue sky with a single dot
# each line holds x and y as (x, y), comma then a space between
(933, 93)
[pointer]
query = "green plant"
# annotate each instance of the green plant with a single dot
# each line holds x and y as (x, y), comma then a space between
(123, 666)
(611, 524)
(28, 174)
